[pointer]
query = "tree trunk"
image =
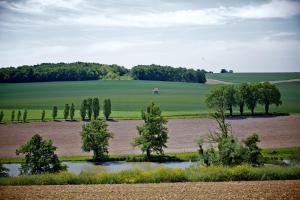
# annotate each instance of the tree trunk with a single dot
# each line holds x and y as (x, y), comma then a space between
(230, 110)
(148, 153)
(252, 111)
(242, 109)
(267, 108)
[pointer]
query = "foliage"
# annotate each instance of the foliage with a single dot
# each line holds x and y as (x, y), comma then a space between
(3, 171)
(54, 112)
(254, 155)
(167, 73)
(66, 111)
(95, 137)
(39, 156)
(83, 109)
(193, 174)
(1, 116)
(107, 108)
(252, 96)
(215, 99)
(19, 115)
(59, 72)
(12, 115)
(89, 107)
(241, 96)
(96, 107)
(25, 116)
(230, 97)
(43, 115)
(153, 134)
(269, 94)
(72, 112)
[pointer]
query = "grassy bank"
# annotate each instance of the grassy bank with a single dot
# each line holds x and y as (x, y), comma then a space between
(193, 174)
(292, 153)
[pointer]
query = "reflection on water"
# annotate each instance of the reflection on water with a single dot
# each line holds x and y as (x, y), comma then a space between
(94, 168)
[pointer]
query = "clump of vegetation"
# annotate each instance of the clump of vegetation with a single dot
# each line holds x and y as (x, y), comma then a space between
(153, 134)
(167, 73)
(193, 174)
(249, 94)
(95, 137)
(43, 116)
(54, 112)
(3, 171)
(72, 112)
(106, 108)
(1, 116)
(66, 111)
(39, 157)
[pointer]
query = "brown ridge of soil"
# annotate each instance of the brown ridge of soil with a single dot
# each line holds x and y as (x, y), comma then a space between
(274, 131)
(200, 190)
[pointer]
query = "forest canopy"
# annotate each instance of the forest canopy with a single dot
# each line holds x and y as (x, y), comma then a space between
(79, 71)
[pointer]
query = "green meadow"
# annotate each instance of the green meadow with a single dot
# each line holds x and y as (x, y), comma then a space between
(128, 97)
(253, 77)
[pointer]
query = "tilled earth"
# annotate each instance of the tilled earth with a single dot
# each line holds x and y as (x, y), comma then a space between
(217, 190)
(274, 131)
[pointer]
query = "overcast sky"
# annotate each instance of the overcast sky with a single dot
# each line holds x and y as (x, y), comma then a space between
(246, 36)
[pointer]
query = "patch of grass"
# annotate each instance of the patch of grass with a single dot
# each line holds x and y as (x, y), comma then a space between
(196, 173)
(291, 153)
(253, 77)
(177, 100)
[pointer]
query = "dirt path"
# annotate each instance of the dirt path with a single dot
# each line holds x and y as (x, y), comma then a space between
(285, 81)
(280, 131)
(219, 190)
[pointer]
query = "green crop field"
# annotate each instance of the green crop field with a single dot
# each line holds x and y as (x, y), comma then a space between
(253, 77)
(128, 97)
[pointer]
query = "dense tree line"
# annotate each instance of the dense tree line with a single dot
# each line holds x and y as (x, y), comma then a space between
(59, 72)
(246, 94)
(167, 73)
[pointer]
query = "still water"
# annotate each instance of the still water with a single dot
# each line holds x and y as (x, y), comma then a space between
(90, 167)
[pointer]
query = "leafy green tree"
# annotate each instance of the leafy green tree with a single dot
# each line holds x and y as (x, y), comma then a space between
(1, 116)
(241, 96)
(3, 171)
(215, 99)
(39, 157)
(54, 112)
(43, 115)
(89, 108)
(83, 109)
(72, 111)
(252, 96)
(107, 108)
(269, 94)
(13, 116)
(254, 155)
(95, 137)
(66, 111)
(19, 116)
(25, 116)
(153, 134)
(96, 107)
(230, 97)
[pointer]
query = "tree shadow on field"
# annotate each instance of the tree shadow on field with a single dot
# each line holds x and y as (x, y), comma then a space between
(256, 115)
(111, 120)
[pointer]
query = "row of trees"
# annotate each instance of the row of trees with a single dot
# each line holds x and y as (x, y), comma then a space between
(60, 72)
(246, 94)
(19, 116)
(167, 73)
(91, 107)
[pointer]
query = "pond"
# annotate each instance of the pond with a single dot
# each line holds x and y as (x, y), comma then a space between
(93, 168)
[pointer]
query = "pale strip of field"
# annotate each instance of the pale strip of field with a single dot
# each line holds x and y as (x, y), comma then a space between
(215, 82)
(274, 131)
(219, 190)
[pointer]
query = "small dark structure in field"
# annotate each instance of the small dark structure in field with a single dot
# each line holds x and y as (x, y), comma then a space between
(155, 90)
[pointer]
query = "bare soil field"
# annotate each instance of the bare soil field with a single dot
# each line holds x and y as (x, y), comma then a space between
(275, 131)
(219, 190)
